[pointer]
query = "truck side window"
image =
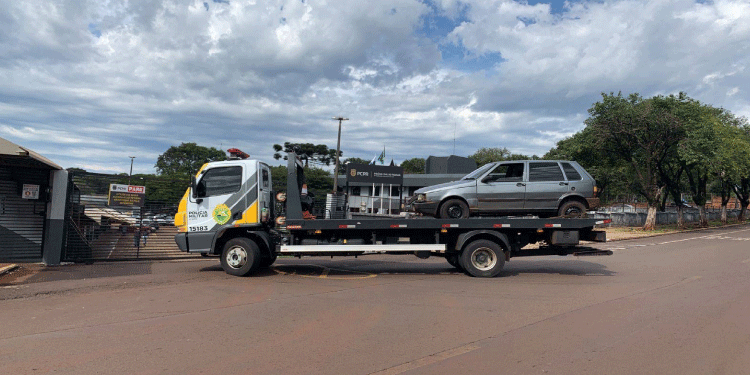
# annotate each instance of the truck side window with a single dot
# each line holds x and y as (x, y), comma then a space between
(547, 171)
(571, 172)
(219, 181)
(265, 178)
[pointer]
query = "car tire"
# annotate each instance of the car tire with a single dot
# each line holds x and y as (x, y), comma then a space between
(454, 209)
(572, 209)
(482, 258)
(240, 257)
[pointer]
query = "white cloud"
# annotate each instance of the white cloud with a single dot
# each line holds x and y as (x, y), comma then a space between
(88, 83)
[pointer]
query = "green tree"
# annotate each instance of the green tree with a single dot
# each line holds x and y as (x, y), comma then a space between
(342, 166)
(643, 135)
(186, 159)
(414, 165)
(319, 154)
(486, 155)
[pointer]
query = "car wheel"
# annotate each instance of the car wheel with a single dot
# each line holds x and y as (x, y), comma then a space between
(454, 209)
(482, 258)
(572, 209)
(241, 256)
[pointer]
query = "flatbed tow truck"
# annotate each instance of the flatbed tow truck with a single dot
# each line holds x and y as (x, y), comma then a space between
(229, 211)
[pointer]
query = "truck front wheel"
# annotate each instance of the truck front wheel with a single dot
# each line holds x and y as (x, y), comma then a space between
(482, 258)
(241, 256)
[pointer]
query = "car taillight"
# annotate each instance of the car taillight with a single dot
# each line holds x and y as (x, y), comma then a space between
(596, 191)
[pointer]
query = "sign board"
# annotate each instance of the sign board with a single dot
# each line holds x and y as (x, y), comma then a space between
(30, 191)
(126, 195)
(374, 174)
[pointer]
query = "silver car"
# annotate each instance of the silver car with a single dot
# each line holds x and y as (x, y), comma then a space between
(540, 187)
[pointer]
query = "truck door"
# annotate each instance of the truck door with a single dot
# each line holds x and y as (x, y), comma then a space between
(209, 206)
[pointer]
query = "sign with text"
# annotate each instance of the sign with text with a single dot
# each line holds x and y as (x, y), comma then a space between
(374, 174)
(30, 191)
(126, 195)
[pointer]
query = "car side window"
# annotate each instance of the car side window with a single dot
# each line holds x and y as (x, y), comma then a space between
(219, 181)
(545, 171)
(571, 172)
(506, 173)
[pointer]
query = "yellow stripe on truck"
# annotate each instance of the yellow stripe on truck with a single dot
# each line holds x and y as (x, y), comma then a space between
(250, 216)
(180, 218)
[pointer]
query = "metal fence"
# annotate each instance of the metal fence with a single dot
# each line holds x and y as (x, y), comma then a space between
(97, 231)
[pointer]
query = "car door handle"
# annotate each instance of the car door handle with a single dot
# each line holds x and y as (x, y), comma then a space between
(520, 184)
(563, 183)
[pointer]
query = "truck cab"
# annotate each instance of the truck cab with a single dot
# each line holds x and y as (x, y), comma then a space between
(223, 197)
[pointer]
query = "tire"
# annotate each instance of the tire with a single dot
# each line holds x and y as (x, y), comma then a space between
(572, 209)
(482, 258)
(453, 260)
(266, 261)
(454, 209)
(240, 257)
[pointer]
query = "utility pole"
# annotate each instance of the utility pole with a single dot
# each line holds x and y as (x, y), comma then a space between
(131, 168)
(338, 150)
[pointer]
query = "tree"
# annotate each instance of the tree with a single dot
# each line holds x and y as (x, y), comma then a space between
(414, 165)
(643, 135)
(186, 159)
(486, 155)
(306, 151)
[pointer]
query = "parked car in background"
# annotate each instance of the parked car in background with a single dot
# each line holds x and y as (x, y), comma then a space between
(540, 187)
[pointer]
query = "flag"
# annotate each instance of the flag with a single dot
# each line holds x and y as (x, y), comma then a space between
(381, 158)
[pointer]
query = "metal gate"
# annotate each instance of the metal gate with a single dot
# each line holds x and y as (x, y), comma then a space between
(98, 231)
(22, 220)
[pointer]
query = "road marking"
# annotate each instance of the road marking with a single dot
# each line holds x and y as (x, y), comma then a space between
(437, 357)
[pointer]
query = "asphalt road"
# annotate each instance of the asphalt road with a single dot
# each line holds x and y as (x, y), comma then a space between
(677, 304)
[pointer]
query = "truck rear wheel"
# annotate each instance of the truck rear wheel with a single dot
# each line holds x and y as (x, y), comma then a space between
(482, 258)
(241, 256)
(453, 260)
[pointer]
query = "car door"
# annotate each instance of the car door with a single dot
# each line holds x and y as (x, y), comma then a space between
(546, 184)
(209, 207)
(502, 189)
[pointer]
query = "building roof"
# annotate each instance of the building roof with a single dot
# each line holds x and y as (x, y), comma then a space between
(14, 155)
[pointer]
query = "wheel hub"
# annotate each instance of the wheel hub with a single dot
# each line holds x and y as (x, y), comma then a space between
(483, 259)
(236, 257)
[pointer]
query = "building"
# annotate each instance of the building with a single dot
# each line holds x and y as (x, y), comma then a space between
(33, 191)
(388, 199)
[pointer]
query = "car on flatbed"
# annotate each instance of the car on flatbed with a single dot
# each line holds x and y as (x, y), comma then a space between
(520, 187)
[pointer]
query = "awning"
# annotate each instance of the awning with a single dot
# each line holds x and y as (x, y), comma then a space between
(12, 154)
(97, 213)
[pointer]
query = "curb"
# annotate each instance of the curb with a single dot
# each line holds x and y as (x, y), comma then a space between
(8, 268)
(679, 231)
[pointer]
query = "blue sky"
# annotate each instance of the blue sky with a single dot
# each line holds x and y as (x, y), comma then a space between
(89, 83)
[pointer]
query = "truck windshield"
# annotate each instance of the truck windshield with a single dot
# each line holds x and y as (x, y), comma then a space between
(479, 172)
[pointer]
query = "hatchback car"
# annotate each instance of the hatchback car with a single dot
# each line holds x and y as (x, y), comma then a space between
(540, 187)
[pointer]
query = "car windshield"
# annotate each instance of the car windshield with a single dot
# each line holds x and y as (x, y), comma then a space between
(479, 172)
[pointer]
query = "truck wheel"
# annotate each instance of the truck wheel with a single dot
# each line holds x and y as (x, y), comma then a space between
(482, 258)
(240, 257)
(453, 260)
(572, 209)
(454, 209)
(266, 261)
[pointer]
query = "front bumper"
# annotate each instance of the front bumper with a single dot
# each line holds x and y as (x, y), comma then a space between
(181, 240)
(427, 207)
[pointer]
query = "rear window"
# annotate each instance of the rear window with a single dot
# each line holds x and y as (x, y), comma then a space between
(549, 171)
(571, 172)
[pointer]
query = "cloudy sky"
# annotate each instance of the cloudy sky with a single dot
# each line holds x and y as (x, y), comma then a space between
(89, 83)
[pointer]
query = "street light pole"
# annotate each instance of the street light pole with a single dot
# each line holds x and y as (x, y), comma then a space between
(131, 168)
(338, 150)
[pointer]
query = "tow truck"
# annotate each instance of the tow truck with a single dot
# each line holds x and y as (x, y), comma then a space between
(229, 210)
